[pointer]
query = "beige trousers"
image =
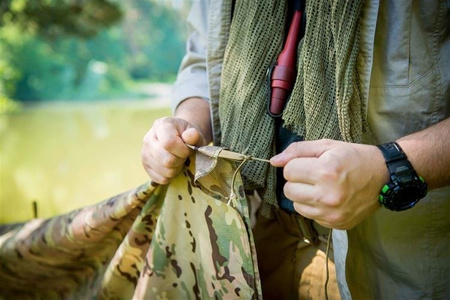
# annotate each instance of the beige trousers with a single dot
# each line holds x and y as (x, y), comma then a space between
(289, 267)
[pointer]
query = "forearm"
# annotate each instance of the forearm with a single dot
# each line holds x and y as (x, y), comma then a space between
(429, 153)
(192, 77)
(196, 111)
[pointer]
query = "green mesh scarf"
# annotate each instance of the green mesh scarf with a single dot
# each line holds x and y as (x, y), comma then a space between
(326, 100)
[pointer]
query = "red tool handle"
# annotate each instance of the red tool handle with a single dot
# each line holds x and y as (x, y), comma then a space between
(283, 75)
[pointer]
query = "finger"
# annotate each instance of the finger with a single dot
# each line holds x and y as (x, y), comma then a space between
(308, 211)
(153, 153)
(168, 136)
(155, 168)
(302, 170)
(300, 149)
(159, 164)
(328, 219)
(191, 136)
(301, 192)
(315, 195)
(316, 215)
(161, 158)
(157, 177)
(149, 141)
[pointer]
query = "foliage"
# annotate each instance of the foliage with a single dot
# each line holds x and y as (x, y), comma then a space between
(54, 18)
(155, 39)
(7, 105)
(60, 49)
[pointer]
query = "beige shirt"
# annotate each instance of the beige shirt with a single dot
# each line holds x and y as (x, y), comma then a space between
(404, 68)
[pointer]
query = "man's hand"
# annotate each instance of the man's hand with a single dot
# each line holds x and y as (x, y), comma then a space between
(164, 149)
(334, 183)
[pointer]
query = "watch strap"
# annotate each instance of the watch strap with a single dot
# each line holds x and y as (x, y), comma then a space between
(397, 161)
(392, 151)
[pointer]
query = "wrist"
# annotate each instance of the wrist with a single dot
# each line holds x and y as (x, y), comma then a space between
(405, 187)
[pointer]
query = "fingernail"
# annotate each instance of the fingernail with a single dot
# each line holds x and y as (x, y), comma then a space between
(276, 158)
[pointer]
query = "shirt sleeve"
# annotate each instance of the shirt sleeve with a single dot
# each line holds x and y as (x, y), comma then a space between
(192, 78)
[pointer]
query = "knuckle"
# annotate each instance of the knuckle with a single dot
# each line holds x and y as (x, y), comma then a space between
(288, 192)
(286, 173)
(148, 137)
(334, 199)
(172, 172)
(298, 209)
(160, 120)
(168, 144)
(162, 180)
(331, 172)
(289, 171)
(159, 178)
(327, 141)
(155, 125)
(169, 161)
(145, 154)
(160, 124)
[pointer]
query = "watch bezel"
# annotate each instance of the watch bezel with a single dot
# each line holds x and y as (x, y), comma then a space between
(392, 190)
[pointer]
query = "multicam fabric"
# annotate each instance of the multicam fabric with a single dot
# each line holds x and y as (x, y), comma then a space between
(181, 241)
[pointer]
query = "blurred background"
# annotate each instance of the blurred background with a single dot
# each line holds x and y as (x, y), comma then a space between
(81, 82)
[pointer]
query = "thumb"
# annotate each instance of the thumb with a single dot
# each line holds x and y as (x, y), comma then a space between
(191, 136)
(299, 149)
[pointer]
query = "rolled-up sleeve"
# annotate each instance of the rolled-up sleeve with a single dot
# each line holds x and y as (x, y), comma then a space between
(192, 78)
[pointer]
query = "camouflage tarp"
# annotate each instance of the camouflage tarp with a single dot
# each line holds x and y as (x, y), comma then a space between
(188, 240)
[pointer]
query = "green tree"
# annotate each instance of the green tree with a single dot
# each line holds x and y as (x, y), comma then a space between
(55, 18)
(40, 39)
(77, 49)
(155, 39)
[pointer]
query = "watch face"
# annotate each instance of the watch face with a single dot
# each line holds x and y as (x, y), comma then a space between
(405, 197)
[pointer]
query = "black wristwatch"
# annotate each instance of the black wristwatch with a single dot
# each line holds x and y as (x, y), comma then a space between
(405, 187)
